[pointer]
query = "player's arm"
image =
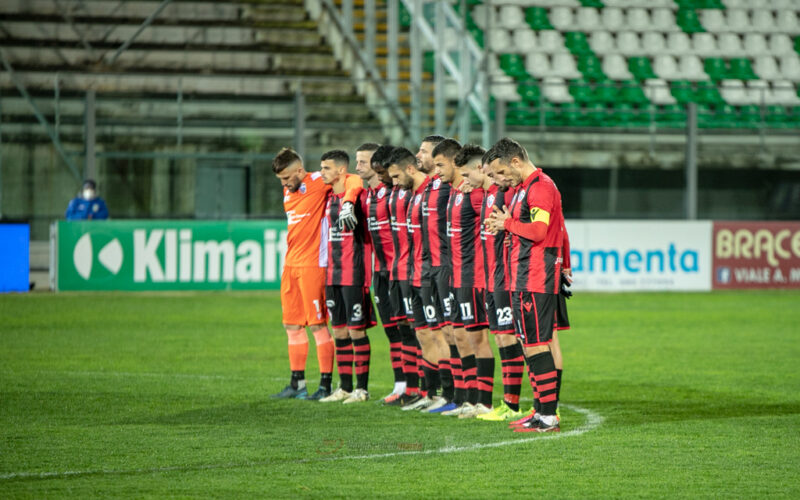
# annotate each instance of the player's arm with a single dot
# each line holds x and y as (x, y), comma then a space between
(352, 192)
(567, 265)
(541, 203)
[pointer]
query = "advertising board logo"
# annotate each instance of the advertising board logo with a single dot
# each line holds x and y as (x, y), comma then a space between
(83, 256)
(723, 275)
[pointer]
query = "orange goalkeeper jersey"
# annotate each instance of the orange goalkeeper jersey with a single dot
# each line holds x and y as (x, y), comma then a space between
(305, 211)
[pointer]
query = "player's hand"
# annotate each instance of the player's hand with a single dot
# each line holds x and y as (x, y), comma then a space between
(566, 282)
(347, 217)
(496, 221)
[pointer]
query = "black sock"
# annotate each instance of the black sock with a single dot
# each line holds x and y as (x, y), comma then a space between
(325, 381)
(469, 366)
(536, 405)
(446, 376)
(395, 352)
(544, 372)
(409, 358)
(558, 383)
(485, 381)
(460, 392)
(298, 379)
(362, 354)
(344, 362)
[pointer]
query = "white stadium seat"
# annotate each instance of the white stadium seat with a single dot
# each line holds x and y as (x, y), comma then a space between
(691, 68)
(704, 44)
(658, 92)
(561, 18)
(666, 67)
(678, 43)
(629, 44)
(763, 21)
(664, 20)
(538, 64)
(638, 19)
(785, 94)
(588, 19)
(551, 41)
(511, 16)
(713, 20)
(480, 14)
(738, 4)
(755, 44)
(738, 20)
(612, 19)
(564, 66)
(758, 92)
(734, 93)
(525, 40)
(787, 22)
(504, 88)
(616, 68)
(653, 42)
(730, 43)
(500, 40)
(766, 67)
(601, 42)
(790, 67)
(780, 44)
(555, 90)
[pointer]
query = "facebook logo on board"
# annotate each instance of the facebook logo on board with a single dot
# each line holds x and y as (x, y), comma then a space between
(723, 275)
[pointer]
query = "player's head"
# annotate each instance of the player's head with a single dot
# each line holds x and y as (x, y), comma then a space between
(402, 163)
(379, 163)
(333, 165)
(443, 155)
(288, 167)
(363, 159)
(424, 155)
(506, 158)
(468, 162)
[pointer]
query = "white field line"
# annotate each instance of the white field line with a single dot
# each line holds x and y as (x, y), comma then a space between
(593, 420)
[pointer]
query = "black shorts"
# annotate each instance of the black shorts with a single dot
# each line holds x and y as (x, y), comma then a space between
(383, 302)
(438, 298)
(349, 306)
(407, 301)
(562, 319)
(534, 315)
(469, 311)
(397, 304)
(498, 312)
(418, 310)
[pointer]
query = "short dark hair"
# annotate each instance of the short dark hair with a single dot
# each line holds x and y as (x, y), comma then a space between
(402, 157)
(435, 139)
(339, 157)
(449, 148)
(368, 146)
(284, 158)
(468, 153)
(505, 149)
(89, 183)
(381, 155)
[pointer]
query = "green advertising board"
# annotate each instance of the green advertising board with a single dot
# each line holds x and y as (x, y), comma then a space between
(141, 255)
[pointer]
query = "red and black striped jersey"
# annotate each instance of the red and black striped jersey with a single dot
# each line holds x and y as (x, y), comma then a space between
(419, 269)
(398, 212)
(436, 248)
(494, 252)
(535, 267)
(379, 225)
(464, 230)
(347, 255)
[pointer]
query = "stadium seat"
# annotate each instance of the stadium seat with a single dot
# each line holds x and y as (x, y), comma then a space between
(740, 68)
(691, 68)
(581, 92)
(511, 17)
(653, 43)
(513, 65)
(790, 67)
(738, 4)
(561, 18)
(551, 41)
(538, 65)
(638, 20)
(597, 115)
(537, 18)
(500, 39)
(678, 43)
(763, 21)
(688, 21)
(730, 43)
(632, 93)
(704, 44)
(555, 90)
(588, 19)
(658, 92)
(614, 67)
(598, 4)
(708, 93)
(601, 42)
(672, 116)
(570, 114)
(755, 44)
(564, 66)
(713, 21)
(640, 68)
(733, 91)
(606, 92)
(591, 67)
(750, 116)
(767, 68)
(787, 22)
(716, 68)
(758, 92)
(629, 44)
(780, 44)
(576, 42)
(663, 20)
(784, 93)
(529, 92)
(612, 19)
(737, 20)
(504, 88)
(665, 66)
(525, 40)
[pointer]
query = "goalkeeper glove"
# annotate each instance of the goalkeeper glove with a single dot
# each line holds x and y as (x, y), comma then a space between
(347, 217)
(565, 291)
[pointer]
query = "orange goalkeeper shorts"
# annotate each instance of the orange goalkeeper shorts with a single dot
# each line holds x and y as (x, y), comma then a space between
(303, 295)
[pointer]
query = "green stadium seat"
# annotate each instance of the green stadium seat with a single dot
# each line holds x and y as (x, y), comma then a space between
(750, 116)
(671, 116)
(623, 114)
(706, 117)
(606, 92)
(797, 44)
(641, 68)
(793, 119)
(632, 93)
(577, 43)
(777, 116)
(405, 16)
(708, 93)
(514, 66)
(518, 113)
(688, 21)
(429, 62)
(591, 67)
(716, 68)
(596, 115)
(682, 91)
(741, 69)
(598, 4)
(537, 19)
(581, 91)
(529, 91)
(725, 116)
(571, 114)
(477, 34)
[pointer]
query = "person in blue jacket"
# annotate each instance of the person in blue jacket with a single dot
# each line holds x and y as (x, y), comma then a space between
(87, 205)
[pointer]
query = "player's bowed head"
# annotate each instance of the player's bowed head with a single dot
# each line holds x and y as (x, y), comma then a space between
(403, 168)
(288, 167)
(443, 155)
(468, 162)
(509, 164)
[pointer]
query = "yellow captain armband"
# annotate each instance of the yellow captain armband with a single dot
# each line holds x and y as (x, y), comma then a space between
(539, 215)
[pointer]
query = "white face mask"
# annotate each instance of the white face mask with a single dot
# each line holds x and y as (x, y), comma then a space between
(88, 194)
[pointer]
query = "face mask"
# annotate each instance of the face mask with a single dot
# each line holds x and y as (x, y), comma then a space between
(88, 194)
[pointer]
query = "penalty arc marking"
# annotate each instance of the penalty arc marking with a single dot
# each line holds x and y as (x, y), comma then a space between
(593, 420)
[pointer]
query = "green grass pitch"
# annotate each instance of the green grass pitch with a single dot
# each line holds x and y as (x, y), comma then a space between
(166, 395)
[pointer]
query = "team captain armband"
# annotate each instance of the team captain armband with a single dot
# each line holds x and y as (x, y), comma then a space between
(539, 215)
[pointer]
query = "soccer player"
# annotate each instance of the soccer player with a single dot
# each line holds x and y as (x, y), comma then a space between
(534, 221)
(347, 290)
(380, 231)
(303, 278)
(403, 171)
(468, 314)
(498, 298)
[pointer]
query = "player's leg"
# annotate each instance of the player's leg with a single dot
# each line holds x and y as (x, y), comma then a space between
(389, 304)
(360, 318)
(409, 347)
(312, 290)
(337, 311)
(294, 321)
(562, 323)
(470, 303)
